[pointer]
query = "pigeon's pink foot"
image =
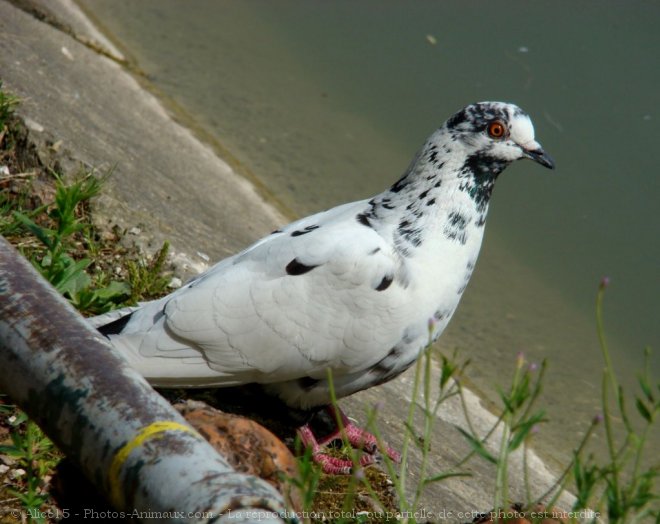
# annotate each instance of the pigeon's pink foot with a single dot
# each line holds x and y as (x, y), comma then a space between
(357, 437)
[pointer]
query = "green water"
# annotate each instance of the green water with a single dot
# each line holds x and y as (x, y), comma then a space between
(326, 102)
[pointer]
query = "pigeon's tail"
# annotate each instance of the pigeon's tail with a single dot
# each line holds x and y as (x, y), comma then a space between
(113, 322)
(166, 369)
(163, 361)
(116, 326)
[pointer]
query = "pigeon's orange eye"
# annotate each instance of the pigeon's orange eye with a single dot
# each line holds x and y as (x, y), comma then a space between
(496, 129)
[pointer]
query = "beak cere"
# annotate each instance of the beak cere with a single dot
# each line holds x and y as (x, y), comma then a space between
(540, 156)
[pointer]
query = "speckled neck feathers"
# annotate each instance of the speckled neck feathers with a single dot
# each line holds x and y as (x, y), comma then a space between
(450, 181)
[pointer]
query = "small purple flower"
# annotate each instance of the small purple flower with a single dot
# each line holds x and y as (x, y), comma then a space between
(535, 429)
(533, 366)
(604, 282)
(520, 359)
(597, 419)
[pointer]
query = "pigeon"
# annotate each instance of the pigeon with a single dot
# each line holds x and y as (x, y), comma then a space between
(360, 289)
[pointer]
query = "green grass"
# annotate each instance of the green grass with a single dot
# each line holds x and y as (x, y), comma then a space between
(36, 456)
(628, 484)
(8, 103)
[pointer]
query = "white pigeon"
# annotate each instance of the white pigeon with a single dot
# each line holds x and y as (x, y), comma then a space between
(358, 289)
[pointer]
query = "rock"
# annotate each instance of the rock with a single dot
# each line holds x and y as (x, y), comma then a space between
(247, 446)
(175, 283)
(17, 473)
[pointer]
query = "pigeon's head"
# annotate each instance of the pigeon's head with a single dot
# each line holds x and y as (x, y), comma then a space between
(494, 134)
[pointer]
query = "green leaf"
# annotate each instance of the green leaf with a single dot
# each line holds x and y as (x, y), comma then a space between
(446, 372)
(508, 407)
(41, 233)
(520, 431)
(643, 383)
(73, 279)
(622, 410)
(477, 445)
(643, 410)
(12, 451)
(586, 476)
(97, 301)
(443, 476)
(113, 290)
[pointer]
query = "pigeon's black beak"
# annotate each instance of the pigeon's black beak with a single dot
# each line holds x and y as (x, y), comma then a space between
(540, 156)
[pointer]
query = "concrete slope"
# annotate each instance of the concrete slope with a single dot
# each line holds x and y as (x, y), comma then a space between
(163, 178)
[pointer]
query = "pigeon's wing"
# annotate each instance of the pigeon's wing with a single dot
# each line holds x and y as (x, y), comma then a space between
(324, 292)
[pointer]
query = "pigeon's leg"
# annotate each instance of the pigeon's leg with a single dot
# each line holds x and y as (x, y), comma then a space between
(357, 437)
(330, 465)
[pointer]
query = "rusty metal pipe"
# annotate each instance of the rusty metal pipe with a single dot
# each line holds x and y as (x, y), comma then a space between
(102, 414)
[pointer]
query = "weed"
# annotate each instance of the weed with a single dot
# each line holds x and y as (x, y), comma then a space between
(626, 487)
(308, 478)
(53, 258)
(36, 456)
(7, 104)
(448, 387)
(146, 276)
(65, 244)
